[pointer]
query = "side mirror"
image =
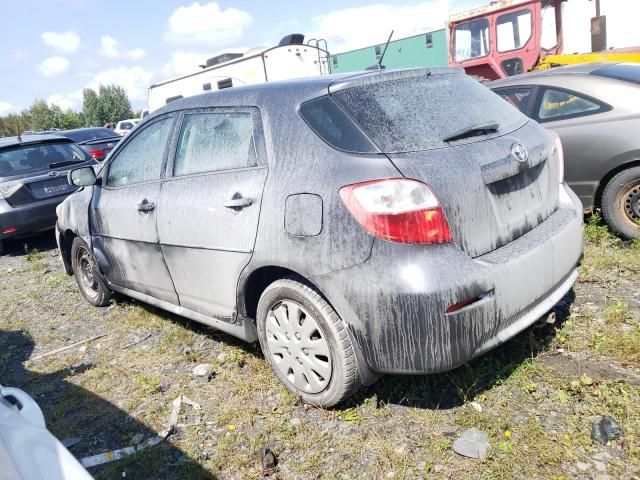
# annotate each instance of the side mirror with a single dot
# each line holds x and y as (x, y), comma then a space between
(82, 177)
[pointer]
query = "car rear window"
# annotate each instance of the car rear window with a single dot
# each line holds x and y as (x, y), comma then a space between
(37, 158)
(419, 113)
(621, 71)
(90, 134)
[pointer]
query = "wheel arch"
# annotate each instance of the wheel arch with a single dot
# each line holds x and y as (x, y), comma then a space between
(65, 240)
(254, 284)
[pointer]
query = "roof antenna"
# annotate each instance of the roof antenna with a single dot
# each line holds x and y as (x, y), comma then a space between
(379, 66)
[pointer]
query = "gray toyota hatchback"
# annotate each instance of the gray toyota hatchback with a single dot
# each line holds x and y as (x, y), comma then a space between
(393, 221)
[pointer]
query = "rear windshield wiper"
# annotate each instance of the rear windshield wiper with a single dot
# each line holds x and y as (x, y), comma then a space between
(474, 131)
(64, 164)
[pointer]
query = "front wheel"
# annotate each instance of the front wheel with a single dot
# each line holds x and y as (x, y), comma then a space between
(306, 343)
(621, 203)
(85, 270)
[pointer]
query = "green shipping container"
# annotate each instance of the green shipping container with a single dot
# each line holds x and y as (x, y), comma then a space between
(424, 50)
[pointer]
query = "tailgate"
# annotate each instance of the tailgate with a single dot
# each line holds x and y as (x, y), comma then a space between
(490, 198)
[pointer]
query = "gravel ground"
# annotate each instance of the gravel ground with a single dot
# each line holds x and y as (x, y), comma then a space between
(535, 397)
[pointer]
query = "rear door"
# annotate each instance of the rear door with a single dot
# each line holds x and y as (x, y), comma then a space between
(209, 208)
(123, 213)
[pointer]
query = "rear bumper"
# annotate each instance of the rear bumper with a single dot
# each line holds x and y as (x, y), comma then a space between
(395, 303)
(28, 219)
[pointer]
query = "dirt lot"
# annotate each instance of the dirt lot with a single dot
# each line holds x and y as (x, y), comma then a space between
(535, 396)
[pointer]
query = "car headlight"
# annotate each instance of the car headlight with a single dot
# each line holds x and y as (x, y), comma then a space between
(9, 188)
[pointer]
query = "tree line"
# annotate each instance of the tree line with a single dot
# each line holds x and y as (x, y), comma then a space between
(109, 104)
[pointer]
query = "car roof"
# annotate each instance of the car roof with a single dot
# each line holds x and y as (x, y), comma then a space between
(297, 89)
(11, 142)
(579, 69)
(84, 129)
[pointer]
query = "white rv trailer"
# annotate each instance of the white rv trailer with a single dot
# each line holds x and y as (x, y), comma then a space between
(289, 59)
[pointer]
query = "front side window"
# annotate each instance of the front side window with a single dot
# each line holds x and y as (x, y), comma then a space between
(472, 39)
(513, 30)
(141, 159)
(519, 97)
(215, 141)
(559, 104)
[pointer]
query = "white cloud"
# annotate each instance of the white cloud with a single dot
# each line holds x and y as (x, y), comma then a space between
(109, 47)
(135, 80)
(358, 27)
(207, 24)
(184, 62)
(69, 101)
(53, 66)
(6, 107)
(67, 42)
(135, 54)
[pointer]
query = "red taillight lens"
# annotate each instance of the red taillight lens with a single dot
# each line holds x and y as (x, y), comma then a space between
(398, 210)
(97, 154)
(9, 230)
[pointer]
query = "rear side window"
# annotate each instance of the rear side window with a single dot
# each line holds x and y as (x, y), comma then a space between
(560, 104)
(141, 159)
(419, 113)
(333, 125)
(620, 71)
(519, 97)
(215, 141)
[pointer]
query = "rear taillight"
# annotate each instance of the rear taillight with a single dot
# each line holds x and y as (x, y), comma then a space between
(398, 210)
(98, 154)
(558, 152)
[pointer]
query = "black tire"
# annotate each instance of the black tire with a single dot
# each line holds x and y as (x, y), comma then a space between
(345, 375)
(85, 271)
(621, 203)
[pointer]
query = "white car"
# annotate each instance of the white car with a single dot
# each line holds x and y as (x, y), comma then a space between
(125, 126)
(27, 449)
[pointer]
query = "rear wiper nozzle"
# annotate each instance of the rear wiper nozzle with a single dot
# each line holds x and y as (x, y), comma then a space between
(474, 131)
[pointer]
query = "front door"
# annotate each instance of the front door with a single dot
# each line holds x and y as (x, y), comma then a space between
(210, 204)
(123, 213)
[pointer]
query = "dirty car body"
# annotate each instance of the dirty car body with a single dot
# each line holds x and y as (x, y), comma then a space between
(428, 217)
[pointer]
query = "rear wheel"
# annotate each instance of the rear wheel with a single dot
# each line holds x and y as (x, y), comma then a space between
(621, 203)
(306, 343)
(85, 269)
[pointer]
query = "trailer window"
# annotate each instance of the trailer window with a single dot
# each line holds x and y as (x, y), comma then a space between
(549, 37)
(513, 30)
(472, 39)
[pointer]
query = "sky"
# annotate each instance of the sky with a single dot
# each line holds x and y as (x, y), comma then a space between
(52, 49)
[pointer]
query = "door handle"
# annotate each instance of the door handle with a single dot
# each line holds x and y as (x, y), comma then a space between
(146, 206)
(238, 203)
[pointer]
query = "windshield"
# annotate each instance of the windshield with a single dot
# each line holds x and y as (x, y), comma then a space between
(472, 39)
(423, 113)
(38, 158)
(90, 134)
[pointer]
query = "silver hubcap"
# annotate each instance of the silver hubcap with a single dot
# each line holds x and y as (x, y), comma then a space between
(298, 347)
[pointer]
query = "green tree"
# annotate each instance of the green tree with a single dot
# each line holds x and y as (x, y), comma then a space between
(109, 104)
(90, 108)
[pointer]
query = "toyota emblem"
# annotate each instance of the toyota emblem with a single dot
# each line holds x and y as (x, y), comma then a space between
(519, 152)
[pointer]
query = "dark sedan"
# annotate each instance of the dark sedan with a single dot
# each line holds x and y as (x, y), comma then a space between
(595, 108)
(97, 142)
(33, 181)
